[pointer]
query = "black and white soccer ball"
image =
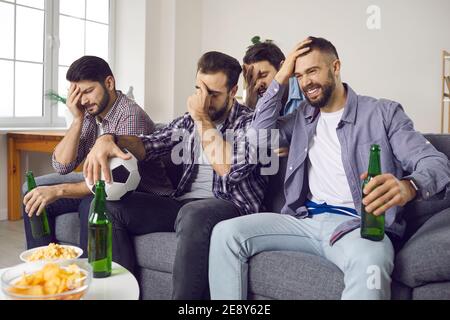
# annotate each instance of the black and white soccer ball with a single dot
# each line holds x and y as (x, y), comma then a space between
(125, 178)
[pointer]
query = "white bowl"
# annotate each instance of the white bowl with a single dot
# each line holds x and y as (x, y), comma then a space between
(24, 256)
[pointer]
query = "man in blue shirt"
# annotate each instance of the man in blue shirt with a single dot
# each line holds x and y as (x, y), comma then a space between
(330, 136)
(262, 61)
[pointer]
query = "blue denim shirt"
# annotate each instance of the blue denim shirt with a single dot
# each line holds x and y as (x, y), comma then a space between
(295, 97)
(365, 121)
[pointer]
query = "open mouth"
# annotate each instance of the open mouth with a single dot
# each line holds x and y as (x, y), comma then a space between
(314, 92)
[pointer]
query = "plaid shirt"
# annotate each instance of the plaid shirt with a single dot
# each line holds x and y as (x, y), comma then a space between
(244, 186)
(124, 118)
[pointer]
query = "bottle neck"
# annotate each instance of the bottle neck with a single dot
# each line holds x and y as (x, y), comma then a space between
(374, 164)
(31, 183)
(100, 201)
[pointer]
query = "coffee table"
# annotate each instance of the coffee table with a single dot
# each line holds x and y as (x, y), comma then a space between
(121, 285)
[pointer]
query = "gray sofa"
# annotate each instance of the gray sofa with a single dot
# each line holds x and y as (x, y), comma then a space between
(422, 264)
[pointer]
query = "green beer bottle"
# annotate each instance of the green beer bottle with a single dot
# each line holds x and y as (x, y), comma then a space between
(99, 235)
(372, 227)
(39, 224)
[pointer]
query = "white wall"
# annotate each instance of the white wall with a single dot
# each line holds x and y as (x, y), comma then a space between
(129, 50)
(402, 61)
(158, 43)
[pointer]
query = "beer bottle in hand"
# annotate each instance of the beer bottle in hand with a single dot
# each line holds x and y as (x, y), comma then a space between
(372, 227)
(99, 235)
(39, 223)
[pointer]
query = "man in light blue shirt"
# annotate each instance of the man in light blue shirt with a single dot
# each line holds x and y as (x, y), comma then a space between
(330, 136)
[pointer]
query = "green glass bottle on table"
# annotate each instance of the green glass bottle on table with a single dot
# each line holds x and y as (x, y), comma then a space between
(99, 235)
(372, 227)
(39, 223)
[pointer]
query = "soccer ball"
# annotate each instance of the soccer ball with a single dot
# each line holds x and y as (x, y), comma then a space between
(125, 178)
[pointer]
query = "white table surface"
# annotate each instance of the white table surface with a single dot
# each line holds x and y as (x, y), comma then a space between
(121, 285)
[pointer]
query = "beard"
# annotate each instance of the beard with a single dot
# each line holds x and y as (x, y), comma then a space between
(327, 90)
(103, 103)
(218, 114)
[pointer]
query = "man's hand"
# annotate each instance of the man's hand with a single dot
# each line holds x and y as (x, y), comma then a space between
(97, 160)
(251, 80)
(288, 67)
(198, 104)
(386, 191)
(74, 102)
(37, 199)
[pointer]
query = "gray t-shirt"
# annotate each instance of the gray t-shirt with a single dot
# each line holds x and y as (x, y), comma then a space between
(202, 178)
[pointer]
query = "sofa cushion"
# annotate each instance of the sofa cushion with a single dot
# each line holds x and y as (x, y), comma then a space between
(156, 251)
(426, 256)
(155, 285)
(68, 228)
(432, 291)
(285, 275)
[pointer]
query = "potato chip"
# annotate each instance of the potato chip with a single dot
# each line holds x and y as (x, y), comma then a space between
(51, 280)
(53, 251)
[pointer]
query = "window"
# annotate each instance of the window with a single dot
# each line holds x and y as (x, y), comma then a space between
(40, 39)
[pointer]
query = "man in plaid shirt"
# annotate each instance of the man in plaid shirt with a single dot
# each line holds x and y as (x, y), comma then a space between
(97, 108)
(218, 183)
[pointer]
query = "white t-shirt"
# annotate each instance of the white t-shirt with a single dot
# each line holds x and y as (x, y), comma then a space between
(327, 180)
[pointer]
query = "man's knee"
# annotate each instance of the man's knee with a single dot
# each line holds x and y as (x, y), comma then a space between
(228, 233)
(197, 215)
(378, 256)
(191, 219)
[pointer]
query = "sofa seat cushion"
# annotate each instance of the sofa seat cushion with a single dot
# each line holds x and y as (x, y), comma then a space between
(285, 275)
(425, 257)
(156, 251)
(68, 228)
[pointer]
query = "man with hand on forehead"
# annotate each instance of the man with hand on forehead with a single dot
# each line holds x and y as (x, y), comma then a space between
(97, 108)
(218, 183)
(330, 136)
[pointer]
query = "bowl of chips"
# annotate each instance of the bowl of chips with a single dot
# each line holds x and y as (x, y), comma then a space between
(61, 280)
(52, 252)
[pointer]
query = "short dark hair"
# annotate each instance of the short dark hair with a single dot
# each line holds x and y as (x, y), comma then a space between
(265, 51)
(213, 62)
(324, 46)
(89, 68)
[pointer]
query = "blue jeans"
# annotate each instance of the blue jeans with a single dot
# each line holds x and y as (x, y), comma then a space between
(367, 265)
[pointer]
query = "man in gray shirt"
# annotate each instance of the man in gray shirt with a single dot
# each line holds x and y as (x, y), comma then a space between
(330, 137)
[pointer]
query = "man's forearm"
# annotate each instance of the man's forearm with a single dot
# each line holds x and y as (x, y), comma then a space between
(66, 151)
(73, 190)
(132, 144)
(268, 108)
(217, 150)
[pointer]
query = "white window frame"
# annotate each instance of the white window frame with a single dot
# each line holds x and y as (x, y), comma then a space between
(50, 119)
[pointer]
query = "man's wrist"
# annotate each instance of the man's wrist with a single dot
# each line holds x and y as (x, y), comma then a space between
(114, 137)
(282, 79)
(412, 187)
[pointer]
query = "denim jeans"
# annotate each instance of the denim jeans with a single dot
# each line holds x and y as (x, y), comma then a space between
(235, 241)
(192, 220)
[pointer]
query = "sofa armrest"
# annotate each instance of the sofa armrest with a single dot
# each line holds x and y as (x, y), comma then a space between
(417, 212)
(425, 257)
(55, 178)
